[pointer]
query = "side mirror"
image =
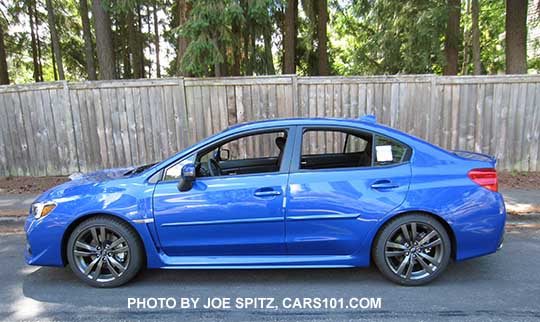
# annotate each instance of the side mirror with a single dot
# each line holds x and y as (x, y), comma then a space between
(224, 155)
(187, 177)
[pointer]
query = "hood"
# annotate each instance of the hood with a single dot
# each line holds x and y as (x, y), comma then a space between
(102, 175)
(83, 184)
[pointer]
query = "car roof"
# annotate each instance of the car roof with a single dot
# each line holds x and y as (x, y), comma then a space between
(299, 121)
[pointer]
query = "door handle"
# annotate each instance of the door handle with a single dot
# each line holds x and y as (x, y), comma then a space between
(267, 193)
(384, 184)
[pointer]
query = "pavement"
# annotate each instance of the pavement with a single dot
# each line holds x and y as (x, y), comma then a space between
(504, 286)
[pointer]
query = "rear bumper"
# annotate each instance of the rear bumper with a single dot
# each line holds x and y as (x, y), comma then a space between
(501, 242)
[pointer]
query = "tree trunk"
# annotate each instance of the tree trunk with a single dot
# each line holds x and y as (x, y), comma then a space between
(156, 40)
(140, 42)
(183, 42)
(55, 74)
(40, 57)
(451, 43)
(122, 43)
(477, 63)
(104, 43)
(57, 51)
(322, 48)
(466, 41)
(35, 61)
(268, 57)
(236, 48)
(246, 35)
(516, 37)
(133, 45)
(4, 75)
(289, 37)
(87, 35)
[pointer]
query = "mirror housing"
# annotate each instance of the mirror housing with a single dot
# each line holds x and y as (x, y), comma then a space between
(222, 154)
(188, 175)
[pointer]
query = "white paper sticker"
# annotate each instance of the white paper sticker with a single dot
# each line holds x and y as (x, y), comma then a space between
(384, 153)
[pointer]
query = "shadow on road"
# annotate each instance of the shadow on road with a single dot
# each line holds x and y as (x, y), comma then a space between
(44, 283)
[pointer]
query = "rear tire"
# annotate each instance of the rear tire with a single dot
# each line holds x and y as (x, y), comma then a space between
(412, 249)
(104, 252)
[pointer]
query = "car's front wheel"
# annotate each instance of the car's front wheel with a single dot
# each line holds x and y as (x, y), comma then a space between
(412, 249)
(104, 252)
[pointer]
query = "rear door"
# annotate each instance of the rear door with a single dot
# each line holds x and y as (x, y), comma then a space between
(331, 207)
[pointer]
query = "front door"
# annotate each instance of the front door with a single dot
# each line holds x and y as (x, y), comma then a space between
(230, 213)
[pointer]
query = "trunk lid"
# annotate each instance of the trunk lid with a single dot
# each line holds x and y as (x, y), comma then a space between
(475, 156)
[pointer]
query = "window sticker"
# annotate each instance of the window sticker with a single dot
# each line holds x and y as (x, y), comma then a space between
(384, 153)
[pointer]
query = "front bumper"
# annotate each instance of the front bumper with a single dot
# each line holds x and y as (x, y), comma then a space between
(43, 241)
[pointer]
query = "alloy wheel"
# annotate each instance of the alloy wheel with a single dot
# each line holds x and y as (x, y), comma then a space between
(414, 251)
(101, 254)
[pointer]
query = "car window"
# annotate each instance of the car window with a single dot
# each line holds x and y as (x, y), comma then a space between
(250, 154)
(325, 149)
(255, 146)
(175, 172)
(388, 151)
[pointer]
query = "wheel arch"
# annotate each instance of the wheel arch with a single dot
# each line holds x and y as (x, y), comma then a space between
(441, 220)
(71, 227)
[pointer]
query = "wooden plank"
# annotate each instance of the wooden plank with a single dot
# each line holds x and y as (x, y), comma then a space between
(170, 120)
(535, 131)
(22, 152)
(150, 134)
(214, 109)
(81, 125)
(231, 106)
(206, 112)
(495, 120)
(222, 107)
(190, 113)
(132, 134)
(526, 133)
(471, 117)
(7, 146)
(183, 124)
(107, 126)
(159, 110)
(502, 126)
(487, 116)
(52, 161)
(100, 128)
(96, 160)
(138, 108)
(479, 116)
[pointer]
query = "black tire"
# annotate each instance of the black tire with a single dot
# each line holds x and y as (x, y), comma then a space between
(118, 255)
(393, 254)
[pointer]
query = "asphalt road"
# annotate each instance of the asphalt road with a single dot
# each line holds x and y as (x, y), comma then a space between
(501, 287)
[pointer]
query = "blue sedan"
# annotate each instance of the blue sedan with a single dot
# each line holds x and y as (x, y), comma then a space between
(291, 193)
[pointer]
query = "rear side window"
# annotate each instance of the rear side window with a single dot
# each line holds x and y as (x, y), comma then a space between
(334, 149)
(388, 151)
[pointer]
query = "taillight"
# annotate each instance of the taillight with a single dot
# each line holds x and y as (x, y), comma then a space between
(487, 178)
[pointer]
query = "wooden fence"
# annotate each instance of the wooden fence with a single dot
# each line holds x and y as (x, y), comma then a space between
(59, 128)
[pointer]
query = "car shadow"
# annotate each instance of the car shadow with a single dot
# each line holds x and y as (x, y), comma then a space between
(54, 285)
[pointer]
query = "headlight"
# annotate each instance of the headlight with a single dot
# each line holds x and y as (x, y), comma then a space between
(42, 209)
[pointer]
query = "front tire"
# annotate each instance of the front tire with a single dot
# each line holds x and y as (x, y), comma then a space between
(412, 249)
(104, 252)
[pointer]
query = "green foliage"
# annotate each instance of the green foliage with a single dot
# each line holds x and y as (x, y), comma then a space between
(207, 28)
(364, 36)
(389, 37)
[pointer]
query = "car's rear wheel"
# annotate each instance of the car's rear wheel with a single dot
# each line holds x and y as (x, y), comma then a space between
(104, 252)
(412, 249)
